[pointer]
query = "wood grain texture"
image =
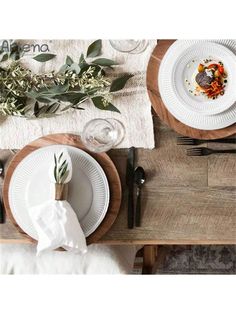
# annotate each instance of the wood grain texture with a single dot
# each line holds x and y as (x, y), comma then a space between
(186, 200)
(169, 164)
(181, 205)
(222, 168)
(159, 107)
(149, 259)
(103, 159)
(180, 215)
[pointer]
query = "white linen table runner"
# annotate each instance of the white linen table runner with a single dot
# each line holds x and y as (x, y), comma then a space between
(132, 101)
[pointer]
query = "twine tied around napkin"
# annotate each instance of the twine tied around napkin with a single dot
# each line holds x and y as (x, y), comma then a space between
(61, 192)
(55, 221)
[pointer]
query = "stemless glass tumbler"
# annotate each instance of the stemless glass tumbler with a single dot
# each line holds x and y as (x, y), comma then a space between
(129, 45)
(100, 135)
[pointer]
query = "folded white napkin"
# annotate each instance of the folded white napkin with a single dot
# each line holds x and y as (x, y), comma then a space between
(55, 221)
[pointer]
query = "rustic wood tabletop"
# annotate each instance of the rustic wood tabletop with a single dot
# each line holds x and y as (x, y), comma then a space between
(186, 200)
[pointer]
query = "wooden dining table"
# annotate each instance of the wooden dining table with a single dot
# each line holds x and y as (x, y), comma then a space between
(185, 200)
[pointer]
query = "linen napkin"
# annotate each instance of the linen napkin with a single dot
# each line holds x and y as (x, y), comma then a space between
(55, 221)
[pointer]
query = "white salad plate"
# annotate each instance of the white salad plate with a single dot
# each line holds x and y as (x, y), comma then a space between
(179, 64)
(88, 191)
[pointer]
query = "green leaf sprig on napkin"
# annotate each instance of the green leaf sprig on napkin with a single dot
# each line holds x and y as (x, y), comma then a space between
(61, 170)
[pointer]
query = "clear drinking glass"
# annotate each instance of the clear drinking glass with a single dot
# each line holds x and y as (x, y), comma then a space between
(100, 135)
(129, 45)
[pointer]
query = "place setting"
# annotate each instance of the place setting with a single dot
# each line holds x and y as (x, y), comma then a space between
(91, 185)
(62, 190)
(90, 164)
(195, 80)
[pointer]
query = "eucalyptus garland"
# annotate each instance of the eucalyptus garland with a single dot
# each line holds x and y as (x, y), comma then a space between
(29, 95)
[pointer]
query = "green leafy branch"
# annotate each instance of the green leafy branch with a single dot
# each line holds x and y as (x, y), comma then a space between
(61, 170)
(74, 84)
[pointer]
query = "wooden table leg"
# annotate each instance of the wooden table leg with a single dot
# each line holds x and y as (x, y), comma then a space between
(149, 258)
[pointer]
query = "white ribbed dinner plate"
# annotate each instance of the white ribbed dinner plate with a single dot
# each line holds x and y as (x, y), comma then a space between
(200, 114)
(88, 190)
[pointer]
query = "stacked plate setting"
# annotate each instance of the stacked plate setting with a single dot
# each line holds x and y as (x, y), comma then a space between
(88, 191)
(179, 65)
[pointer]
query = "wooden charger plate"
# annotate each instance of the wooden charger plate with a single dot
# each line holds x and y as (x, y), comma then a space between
(159, 107)
(103, 159)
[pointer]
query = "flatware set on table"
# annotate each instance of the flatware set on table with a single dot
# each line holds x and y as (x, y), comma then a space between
(205, 151)
(184, 140)
(2, 176)
(195, 116)
(2, 213)
(134, 176)
(137, 177)
(130, 185)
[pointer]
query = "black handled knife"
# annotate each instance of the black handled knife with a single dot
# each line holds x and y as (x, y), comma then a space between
(130, 184)
(2, 216)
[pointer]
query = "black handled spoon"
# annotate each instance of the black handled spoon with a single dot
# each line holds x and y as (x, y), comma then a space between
(139, 178)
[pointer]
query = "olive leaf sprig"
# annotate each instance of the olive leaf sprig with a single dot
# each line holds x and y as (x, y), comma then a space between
(61, 170)
(74, 84)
